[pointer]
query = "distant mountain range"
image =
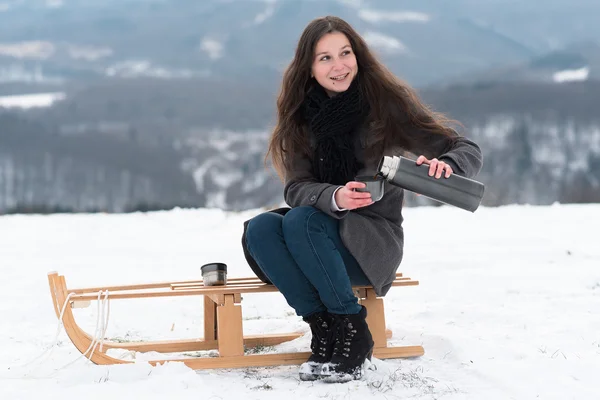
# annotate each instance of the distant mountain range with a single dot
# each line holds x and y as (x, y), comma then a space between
(425, 42)
(578, 62)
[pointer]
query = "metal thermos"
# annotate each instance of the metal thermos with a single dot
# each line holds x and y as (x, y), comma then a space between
(456, 190)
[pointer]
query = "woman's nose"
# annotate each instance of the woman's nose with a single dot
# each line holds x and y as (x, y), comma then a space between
(338, 65)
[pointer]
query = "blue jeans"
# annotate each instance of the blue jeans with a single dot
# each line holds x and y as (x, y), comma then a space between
(302, 254)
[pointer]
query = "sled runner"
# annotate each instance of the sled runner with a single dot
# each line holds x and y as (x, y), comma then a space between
(223, 329)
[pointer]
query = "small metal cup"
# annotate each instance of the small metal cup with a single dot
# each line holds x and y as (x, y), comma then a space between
(214, 274)
(375, 185)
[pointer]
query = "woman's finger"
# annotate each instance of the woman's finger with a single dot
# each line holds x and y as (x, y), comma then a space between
(440, 169)
(449, 171)
(363, 203)
(355, 185)
(353, 194)
(422, 159)
(433, 166)
(358, 195)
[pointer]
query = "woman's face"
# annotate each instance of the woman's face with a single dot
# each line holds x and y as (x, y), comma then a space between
(334, 63)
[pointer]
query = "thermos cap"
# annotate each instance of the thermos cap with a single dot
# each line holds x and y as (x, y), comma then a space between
(213, 267)
(388, 166)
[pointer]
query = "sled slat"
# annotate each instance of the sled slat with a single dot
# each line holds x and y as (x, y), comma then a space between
(205, 290)
(177, 284)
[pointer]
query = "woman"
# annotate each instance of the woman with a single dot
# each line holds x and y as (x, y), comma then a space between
(339, 111)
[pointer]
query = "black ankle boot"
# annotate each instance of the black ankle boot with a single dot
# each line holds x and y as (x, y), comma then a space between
(353, 345)
(321, 345)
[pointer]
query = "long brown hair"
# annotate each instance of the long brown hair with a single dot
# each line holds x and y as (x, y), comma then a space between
(393, 103)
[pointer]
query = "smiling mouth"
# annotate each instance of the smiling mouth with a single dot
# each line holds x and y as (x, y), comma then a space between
(340, 77)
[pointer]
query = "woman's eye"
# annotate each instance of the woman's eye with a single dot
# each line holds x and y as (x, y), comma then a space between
(324, 58)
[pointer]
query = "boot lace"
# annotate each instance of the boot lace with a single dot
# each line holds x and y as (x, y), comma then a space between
(344, 337)
(322, 335)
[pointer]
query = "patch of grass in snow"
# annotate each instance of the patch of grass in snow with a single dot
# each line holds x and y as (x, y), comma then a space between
(257, 374)
(124, 340)
(555, 354)
(202, 353)
(264, 386)
(258, 349)
(253, 318)
(410, 379)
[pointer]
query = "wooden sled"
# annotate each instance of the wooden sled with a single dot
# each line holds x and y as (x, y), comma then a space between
(223, 329)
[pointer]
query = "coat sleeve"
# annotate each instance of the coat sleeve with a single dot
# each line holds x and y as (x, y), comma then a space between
(302, 189)
(463, 155)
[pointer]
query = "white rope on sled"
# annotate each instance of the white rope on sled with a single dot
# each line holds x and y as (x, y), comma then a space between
(100, 331)
(102, 318)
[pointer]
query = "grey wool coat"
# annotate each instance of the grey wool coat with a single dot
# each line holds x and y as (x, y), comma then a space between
(374, 234)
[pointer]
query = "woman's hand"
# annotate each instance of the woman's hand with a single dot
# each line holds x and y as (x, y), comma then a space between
(347, 198)
(436, 167)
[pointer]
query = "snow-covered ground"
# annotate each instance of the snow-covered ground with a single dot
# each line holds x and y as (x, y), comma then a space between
(31, 100)
(508, 306)
(571, 75)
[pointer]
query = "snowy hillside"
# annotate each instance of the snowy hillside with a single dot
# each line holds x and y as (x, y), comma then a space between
(507, 307)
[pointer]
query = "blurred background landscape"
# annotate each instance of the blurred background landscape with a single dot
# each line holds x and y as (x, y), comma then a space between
(126, 105)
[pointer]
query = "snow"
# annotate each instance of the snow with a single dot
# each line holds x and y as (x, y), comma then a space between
(20, 73)
(55, 3)
(89, 53)
(352, 3)
(268, 12)
(571, 75)
(507, 306)
(39, 50)
(225, 179)
(137, 68)
(375, 16)
(31, 100)
(383, 42)
(212, 47)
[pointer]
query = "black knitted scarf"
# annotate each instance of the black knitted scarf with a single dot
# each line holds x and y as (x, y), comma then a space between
(333, 122)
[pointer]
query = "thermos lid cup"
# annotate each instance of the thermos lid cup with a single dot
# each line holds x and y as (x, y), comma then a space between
(213, 267)
(375, 185)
